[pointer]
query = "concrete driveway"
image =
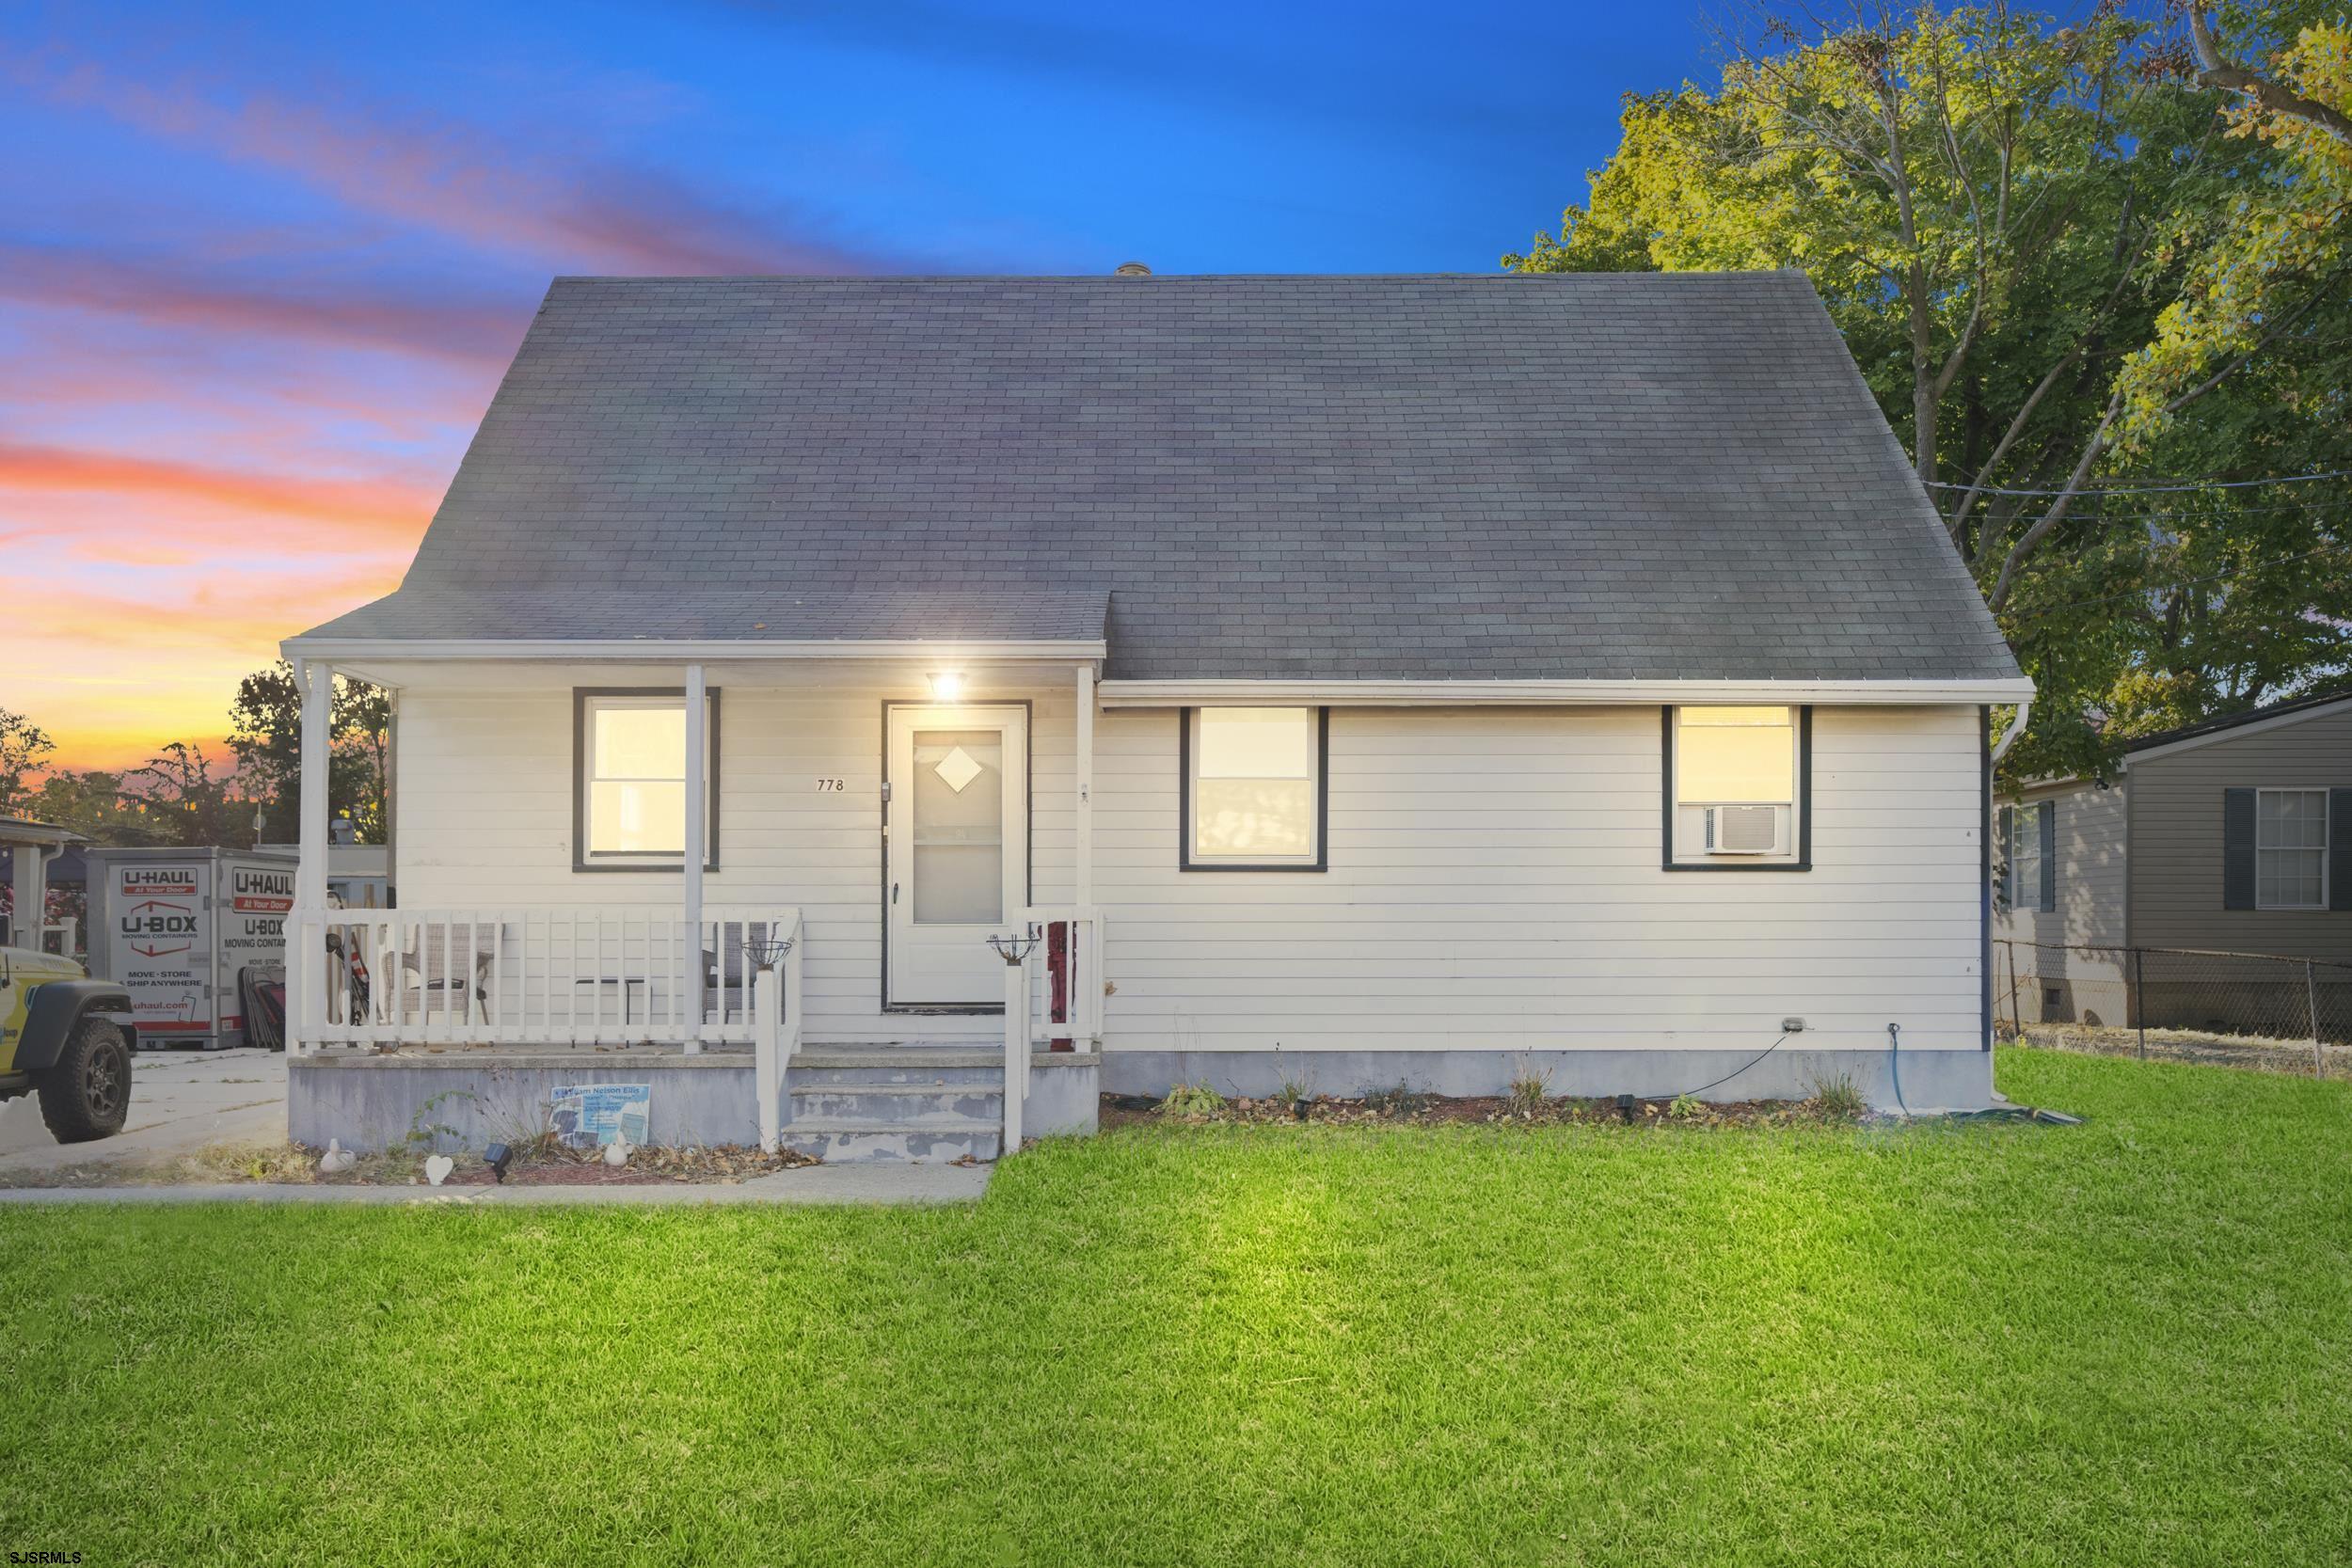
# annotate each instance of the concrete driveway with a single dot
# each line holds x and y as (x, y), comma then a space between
(180, 1102)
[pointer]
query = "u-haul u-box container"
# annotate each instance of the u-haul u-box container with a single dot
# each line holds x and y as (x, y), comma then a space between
(174, 927)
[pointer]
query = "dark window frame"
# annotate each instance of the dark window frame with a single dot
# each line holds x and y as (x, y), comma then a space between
(664, 865)
(1803, 803)
(1323, 797)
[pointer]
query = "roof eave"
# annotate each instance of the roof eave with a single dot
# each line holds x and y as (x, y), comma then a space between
(1452, 693)
(678, 649)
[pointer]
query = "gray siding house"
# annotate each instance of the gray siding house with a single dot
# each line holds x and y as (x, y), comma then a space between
(2233, 836)
(1347, 680)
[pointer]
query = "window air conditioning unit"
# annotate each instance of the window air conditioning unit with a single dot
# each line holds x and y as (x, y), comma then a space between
(1743, 830)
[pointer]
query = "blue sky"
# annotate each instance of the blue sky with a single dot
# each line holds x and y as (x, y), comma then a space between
(260, 266)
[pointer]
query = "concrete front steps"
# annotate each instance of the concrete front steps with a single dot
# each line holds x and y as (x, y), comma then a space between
(929, 1104)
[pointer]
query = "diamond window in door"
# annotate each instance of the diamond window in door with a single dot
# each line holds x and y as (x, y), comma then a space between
(958, 768)
(957, 857)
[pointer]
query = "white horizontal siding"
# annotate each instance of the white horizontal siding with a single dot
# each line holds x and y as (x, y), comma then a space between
(484, 803)
(1494, 874)
(1495, 883)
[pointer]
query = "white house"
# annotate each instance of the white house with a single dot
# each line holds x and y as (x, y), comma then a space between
(1352, 680)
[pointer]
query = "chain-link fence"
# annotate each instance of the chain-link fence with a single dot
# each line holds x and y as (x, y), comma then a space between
(2247, 1009)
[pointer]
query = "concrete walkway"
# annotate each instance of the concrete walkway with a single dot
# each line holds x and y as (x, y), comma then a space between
(877, 1183)
(180, 1100)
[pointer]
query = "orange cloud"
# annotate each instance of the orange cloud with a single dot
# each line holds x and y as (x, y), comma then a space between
(160, 661)
(391, 508)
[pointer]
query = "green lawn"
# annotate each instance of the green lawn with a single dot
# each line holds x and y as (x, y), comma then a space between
(2128, 1343)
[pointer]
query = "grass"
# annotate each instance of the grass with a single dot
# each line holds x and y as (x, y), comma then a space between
(2128, 1343)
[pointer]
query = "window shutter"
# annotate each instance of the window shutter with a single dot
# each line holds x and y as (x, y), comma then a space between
(2237, 849)
(2045, 824)
(2004, 879)
(2340, 848)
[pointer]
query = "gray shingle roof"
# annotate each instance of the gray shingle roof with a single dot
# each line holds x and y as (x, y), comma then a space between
(1610, 476)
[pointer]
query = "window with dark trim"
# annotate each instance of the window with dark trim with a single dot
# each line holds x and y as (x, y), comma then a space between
(2291, 849)
(629, 778)
(2029, 858)
(1255, 787)
(1736, 787)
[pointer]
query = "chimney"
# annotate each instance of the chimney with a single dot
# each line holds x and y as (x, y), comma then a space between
(1133, 269)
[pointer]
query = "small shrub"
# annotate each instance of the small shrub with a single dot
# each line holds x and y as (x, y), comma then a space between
(1400, 1099)
(1530, 1093)
(1685, 1106)
(1838, 1098)
(1294, 1091)
(1192, 1099)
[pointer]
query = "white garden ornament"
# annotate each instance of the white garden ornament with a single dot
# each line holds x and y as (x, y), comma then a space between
(618, 1152)
(337, 1159)
(436, 1169)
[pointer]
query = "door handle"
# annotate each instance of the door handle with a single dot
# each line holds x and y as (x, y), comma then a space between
(894, 892)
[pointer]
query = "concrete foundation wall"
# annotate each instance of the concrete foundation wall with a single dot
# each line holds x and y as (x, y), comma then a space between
(1932, 1080)
(374, 1102)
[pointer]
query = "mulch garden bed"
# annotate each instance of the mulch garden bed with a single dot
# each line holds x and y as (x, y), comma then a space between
(545, 1168)
(1409, 1110)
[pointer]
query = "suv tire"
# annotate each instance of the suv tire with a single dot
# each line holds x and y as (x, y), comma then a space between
(87, 1093)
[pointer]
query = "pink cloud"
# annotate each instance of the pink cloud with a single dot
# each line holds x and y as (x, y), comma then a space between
(457, 179)
(480, 332)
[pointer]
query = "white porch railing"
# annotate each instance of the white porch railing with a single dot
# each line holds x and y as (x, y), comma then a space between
(778, 1031)
(1078, 957)
(565, 976)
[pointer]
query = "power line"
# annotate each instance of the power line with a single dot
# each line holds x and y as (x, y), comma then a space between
(2146, 489)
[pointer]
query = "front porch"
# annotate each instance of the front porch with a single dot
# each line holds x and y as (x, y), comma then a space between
(535, 945)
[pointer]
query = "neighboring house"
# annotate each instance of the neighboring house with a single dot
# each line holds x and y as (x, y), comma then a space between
(2230, 836)
(1356, 680)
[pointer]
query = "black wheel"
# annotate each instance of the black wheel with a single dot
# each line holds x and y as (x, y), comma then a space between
(86, 1094)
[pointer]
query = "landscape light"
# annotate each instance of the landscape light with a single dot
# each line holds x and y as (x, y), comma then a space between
(498, 1157)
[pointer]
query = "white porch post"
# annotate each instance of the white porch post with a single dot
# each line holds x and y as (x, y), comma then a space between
(315, 681)
(1082, 891)
(697, 797)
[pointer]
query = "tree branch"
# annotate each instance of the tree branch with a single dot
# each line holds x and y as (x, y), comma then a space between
(2217, 71)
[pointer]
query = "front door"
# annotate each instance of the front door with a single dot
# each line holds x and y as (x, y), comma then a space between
(956, 863)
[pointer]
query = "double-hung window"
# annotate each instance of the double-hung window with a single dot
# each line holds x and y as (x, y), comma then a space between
(1736, 780)
(2291, 849)
(2029, 840)
(1254, 788)
(630, 783)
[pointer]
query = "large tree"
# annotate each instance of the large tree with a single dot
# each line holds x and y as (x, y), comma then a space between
(24, 747)
(2005, 217)
(266, 737)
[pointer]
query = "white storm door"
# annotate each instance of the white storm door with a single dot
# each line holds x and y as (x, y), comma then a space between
(957, 867)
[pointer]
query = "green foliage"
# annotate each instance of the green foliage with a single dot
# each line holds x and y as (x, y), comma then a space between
(266, 737)
(175, 799)
(2061, 261)
(23, 746)
(1192, 1099)
(1685, 1106)
(1837, 1098)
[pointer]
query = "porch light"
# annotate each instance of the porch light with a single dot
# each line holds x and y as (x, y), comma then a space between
(947, 685)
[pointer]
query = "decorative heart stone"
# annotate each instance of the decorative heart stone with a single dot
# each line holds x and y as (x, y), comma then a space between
(436, 1169)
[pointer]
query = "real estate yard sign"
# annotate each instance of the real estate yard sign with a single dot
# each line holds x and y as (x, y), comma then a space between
(588, 1115)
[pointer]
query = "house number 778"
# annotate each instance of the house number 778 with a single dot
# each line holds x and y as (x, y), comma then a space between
(828, 787)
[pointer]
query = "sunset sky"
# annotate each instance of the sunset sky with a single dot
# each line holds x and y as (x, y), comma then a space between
(261, 268)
